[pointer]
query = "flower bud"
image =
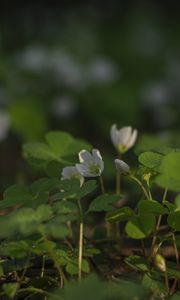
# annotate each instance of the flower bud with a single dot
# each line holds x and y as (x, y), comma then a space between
(160, 262)
(122, 167)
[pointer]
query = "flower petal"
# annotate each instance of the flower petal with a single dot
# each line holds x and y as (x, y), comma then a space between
(114, 135)
(85, 156)
(83, 170)
(124, 135)
(132, 139)
(67, 172)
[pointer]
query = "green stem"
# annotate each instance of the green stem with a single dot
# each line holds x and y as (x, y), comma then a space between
(108, 225)
(175, 248)
(43, 266)
(39, 291)
(177, 261)
(143, 248)
(157, 227)
(166, 281)
(164, 195)
(81, 232)
(155, 236)
(102, 184)
(140, 184)
(118, 178)
(56, 264)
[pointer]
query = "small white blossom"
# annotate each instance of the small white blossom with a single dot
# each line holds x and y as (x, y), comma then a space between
(91, 165)
(123, 139)
(122, 167)
(72, 173)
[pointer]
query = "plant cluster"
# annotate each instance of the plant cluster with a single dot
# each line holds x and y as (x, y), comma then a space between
(65, 225)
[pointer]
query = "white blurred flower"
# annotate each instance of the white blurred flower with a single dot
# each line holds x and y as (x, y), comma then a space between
(122, 167)
(102, 70)
(64, 107)
(123, 139)
(72, 173)
(34, 58)
(67, 69)
(4, 125)
(156, 93)
(91, 165)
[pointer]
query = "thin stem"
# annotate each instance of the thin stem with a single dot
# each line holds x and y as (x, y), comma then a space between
(69, 225)
(81, 227)
(166, 281)
(56, 264)
(108, 225)
(177, 260)
(157, 227)
(155, 235)
(101, 184)
(43, 266)
(81, 232)
(118, 179)
(140, 184)
(25, 268)
(164, 195)
(175, 248)
(143, 248)
(39, 291)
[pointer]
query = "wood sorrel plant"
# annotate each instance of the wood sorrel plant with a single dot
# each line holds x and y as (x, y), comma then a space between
(48, 228)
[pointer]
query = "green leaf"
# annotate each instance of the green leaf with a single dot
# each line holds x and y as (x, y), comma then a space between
(120, 215)
(151, 206)
(87, 188)
(14, 249)
(56, 229)
(70, 189)
(140, 226)
(103, 203)
(148, 142)
(72, 266)
(59, 142)
(156, 285)
(43, 247)
(39, 150)
(172, 270)
(166, 181)
(174, 220)
(170, 172)
(151, 160)
(169, 205)
(10, 289)
(37, 194)
(137, 263)
(16, 195)
(177, 202)
(90, 252)
(25, 221)
(65, 207)
(60, 146)
(43, 185)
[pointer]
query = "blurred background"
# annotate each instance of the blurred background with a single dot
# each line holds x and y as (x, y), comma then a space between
(81, 66)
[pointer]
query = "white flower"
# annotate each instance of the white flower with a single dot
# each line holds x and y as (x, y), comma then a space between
(123, 139)
(72, 173)
(91, 165)
(122, 167)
